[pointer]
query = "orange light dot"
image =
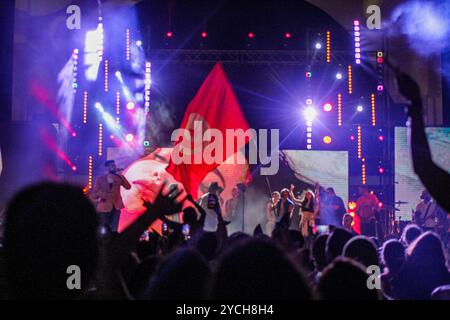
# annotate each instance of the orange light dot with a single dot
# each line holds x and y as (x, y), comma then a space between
(327, 139)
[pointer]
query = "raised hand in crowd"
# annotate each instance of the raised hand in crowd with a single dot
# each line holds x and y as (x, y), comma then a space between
(114, 248)
(435, 179)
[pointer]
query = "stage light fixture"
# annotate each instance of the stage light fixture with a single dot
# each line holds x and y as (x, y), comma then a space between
(352, 205)
(328, 47)
(380, 88)
(381, 170)
(359, 108)
(148, 82)
(146, 143)
(352, 137)
(381, 137)
(204, 34)
(129, 137)
(373, 110)
(350, 80)
(169, 34)
(359, 143)
(127, 44)
(318, 45)
(251, 35)
(357, 40)
(363, 173)
(130, 105)
(339, 105)
(74, 134)
(139, 43)
(100, 139)
(74, 168)
(89, 184)
(85, 96)
(99, 107)
(327, 139)
(106, 75)
(288, 35)
(310, 114)
(339, 76)
(308, 101)
(327, 107)
(308, 74)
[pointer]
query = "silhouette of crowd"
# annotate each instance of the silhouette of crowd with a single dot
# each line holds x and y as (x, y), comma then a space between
(50, 227)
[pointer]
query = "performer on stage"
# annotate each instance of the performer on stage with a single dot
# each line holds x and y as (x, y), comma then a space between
(307, 218)
(211, 216)
(271, 213)
(427, 214)
(284, 209)
(367, 209)
(234, 209)
(333, 208)
(106, 195)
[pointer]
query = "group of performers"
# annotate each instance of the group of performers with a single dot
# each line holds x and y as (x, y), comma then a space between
(304, 212)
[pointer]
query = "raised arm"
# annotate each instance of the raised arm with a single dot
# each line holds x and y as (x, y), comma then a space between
(435, 179)
(297, 201)
(125, 183)
(201, 220)
(115, 248)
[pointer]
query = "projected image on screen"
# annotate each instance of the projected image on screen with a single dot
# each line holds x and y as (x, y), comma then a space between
(408, 186)
(329, 168)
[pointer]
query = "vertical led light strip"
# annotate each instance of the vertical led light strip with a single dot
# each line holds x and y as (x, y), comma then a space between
(89, 173)
(363, 171)
(75, 69)
(357, 37)
(85, 96)
(372, 102)
(127, 45)
(350, 80)
(309, 128)
(100, 40)
(339, 110)
(328, 47)
(359, 143)
(117, 107)
(100, 139)
(380, 86)
(106, 75)
(148, 82)
(308, 135)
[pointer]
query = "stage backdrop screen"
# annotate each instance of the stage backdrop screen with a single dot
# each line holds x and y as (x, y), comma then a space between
(329, 168)
(407, 185)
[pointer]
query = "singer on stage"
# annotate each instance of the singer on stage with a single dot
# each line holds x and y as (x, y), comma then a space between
(106, 195)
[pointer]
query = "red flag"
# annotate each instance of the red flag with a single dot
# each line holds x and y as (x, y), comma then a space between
(215, 106)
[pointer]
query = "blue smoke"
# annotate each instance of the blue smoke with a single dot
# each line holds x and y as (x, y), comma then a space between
(425, 24)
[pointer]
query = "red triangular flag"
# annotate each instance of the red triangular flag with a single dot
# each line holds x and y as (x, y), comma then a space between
(215, 106)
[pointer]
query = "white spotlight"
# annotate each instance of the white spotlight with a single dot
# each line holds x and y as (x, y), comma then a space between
(318, 45)
(339, 76)
(359, 108)
(99, 107)
(310, 114)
